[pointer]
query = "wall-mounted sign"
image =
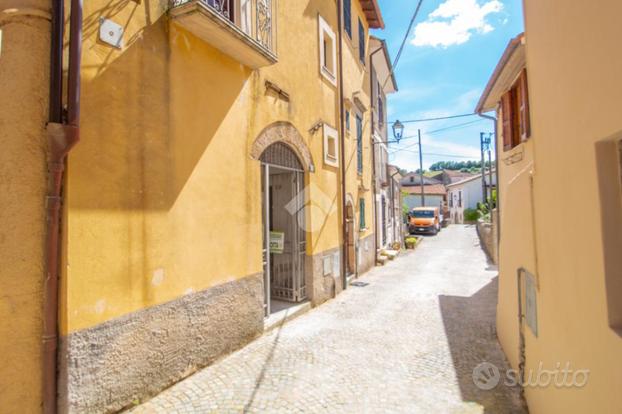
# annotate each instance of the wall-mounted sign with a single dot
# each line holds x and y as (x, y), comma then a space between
(111, 33)
(277, 242)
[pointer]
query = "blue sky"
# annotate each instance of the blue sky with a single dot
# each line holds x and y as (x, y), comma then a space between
(446, 62)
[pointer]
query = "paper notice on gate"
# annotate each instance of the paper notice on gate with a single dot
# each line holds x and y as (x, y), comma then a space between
(277, 242)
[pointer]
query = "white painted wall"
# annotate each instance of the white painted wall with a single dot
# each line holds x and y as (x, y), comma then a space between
(414, 200)
(470, 192)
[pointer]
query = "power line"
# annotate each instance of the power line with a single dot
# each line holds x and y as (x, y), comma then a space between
(399, 52)
(437, 154)
(435, 119)
(457, 126)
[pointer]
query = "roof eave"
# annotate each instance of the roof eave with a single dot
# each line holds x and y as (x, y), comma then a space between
(372, 14)
(507, 54)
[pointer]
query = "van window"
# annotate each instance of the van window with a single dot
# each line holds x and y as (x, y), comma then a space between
(423, 213)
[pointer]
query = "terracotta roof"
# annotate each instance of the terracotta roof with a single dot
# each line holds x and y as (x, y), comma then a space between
(469, 179)
(372, 13)
(434, 189)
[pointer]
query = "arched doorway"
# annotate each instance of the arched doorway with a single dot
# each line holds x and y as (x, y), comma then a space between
(284, 232)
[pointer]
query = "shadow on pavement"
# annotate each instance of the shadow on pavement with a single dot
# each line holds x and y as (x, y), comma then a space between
(470, 328)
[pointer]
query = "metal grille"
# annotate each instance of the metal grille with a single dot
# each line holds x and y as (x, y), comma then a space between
(264, 23)
(281, 155)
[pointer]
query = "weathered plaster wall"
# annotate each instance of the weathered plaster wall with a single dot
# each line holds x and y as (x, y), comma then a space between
(366, 254)
(356, 82)
(164, 191)
(574, 67)
(24, 86)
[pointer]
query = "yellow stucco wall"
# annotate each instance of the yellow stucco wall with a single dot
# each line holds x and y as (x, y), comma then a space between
(24, 86)
(356, 81)
(163, 197)
(575, 88)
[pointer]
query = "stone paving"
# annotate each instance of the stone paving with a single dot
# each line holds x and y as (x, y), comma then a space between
(405, 343)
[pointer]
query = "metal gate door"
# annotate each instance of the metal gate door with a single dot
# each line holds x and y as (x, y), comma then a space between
(284, 272)
(287, 268)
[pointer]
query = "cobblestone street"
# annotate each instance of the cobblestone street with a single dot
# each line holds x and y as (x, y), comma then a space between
(406, 342)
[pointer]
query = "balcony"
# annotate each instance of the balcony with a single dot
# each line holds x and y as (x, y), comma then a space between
(242, 29)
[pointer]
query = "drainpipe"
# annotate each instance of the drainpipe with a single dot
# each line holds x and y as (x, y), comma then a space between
(521, 333)
(344, 231)
(498, 206)
(397, 236)
(63, 134)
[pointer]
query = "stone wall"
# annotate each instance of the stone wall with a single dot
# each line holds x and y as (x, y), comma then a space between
(487, 233)
(366, 254)
(323, 276)
(130, 358)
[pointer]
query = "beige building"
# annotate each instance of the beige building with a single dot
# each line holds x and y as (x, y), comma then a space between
(556, 92)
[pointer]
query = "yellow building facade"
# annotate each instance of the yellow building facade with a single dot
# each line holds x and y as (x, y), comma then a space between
(210, 149)
(560, 205)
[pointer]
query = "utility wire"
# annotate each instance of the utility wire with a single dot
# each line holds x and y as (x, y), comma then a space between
(437, 154)
(435, 119)
(399, 52)
(457, 126)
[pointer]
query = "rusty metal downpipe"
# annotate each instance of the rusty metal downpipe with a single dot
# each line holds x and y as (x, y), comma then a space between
(63, 134)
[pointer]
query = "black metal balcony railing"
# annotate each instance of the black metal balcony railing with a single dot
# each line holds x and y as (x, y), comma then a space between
(252, 17)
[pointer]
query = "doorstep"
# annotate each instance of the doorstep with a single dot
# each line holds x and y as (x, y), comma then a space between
(279, 318)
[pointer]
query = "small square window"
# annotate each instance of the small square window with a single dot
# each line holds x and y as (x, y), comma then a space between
(331, 149)
(328, 51)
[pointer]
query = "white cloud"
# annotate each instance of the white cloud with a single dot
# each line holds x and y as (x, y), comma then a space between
(454, 22)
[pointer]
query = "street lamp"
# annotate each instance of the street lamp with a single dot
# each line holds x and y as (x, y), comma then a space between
(398, 130)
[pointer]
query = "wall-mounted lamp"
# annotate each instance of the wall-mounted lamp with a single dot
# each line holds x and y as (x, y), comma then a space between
(398, 130)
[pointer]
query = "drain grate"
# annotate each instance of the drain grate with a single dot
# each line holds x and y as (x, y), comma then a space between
(359, 284)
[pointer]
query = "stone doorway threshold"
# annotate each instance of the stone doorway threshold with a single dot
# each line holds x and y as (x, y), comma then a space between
(284, 312)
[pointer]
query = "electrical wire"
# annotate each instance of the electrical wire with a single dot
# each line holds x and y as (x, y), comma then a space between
(410, 121)
(435, 131)
(399, 52)
(437, 154)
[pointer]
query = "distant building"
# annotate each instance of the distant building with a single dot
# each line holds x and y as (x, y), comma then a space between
(465, 194)
(414, 179)
(434, 195)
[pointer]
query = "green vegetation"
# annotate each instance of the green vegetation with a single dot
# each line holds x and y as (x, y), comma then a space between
(471, 214)
(410, 242)
(464, 166)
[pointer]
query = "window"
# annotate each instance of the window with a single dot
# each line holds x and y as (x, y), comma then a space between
(331, 152)
(328, 51)
(515, 113)
(347, 121)
(359, 143)
(459, 198)
(412, 179)
(347, 17)
(451, 200)
(361, 42)
(362, 214)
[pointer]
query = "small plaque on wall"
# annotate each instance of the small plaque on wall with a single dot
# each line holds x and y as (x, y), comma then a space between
(111, 33)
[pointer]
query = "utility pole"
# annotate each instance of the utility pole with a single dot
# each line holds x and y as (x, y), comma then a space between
(481, 150)
(421, 169)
